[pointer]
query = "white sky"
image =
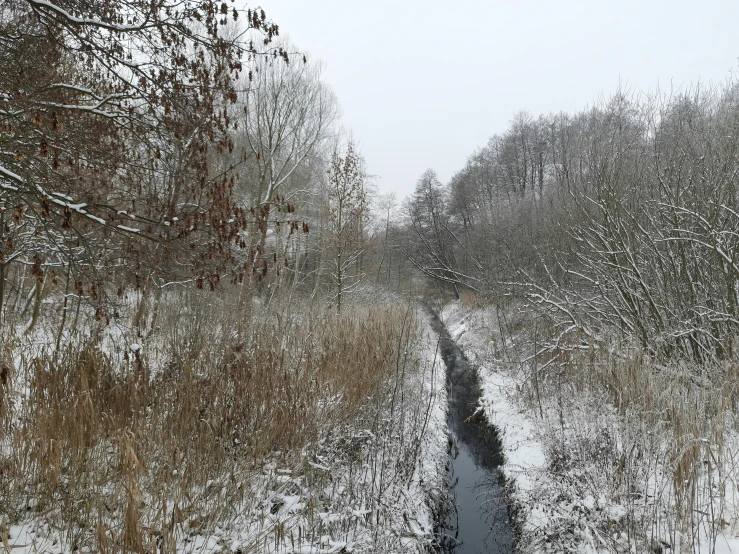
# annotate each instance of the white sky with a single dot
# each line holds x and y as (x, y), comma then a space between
(422, 84)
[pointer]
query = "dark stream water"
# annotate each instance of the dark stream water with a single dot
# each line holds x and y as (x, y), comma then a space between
(479, 520)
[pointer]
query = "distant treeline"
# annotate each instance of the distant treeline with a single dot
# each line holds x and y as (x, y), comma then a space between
(621, 219)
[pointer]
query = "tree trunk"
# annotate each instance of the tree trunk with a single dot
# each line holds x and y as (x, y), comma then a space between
(36, 305)
(64, 308)
(296, 263)
(139, 319)
(155, 308)
(2, 265)
(2, 287)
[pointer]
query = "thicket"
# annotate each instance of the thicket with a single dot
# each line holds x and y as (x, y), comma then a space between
(607, 240)
(184, 230)
(620, 218)
(120, 447)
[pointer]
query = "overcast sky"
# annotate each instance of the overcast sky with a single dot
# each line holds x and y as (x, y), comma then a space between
(422, 84)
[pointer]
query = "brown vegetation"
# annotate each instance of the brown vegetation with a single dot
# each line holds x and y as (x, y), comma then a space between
(133, 450)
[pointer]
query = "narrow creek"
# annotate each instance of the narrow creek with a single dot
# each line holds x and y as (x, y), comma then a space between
(479, 519)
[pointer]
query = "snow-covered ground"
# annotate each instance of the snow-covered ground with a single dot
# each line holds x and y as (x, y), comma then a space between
(568, 457)
(319, 504)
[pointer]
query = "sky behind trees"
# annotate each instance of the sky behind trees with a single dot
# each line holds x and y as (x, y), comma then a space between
(424, 83)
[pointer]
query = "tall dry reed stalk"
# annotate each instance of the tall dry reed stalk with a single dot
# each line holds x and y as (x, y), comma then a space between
(128, 450)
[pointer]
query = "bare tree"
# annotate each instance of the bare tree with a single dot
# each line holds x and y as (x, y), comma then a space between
(348, 207)
(111, 114)
(288, 115)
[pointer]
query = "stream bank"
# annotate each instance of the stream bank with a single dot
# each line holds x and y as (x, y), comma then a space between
(478, 518)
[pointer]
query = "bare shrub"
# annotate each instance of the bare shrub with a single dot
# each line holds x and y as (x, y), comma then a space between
(639, 448)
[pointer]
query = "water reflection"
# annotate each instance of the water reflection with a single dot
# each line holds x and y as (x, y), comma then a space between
(479, 520)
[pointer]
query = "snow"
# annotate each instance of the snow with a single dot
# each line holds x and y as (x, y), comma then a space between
(523, 452)
(129, 229)
(8, 187)
(95, 218)
(54, 197)
(569, 506)
(83, 21)
(283, 496)
(12, 176)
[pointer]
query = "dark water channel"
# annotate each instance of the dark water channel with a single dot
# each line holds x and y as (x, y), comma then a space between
(479, 519)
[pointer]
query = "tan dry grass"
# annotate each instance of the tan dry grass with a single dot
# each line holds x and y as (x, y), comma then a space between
(119, 453)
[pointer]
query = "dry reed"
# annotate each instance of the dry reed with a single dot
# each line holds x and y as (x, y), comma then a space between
(128, 451)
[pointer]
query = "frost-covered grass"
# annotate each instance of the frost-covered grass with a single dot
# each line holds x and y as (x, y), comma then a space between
(607, 451)
(277, 428)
